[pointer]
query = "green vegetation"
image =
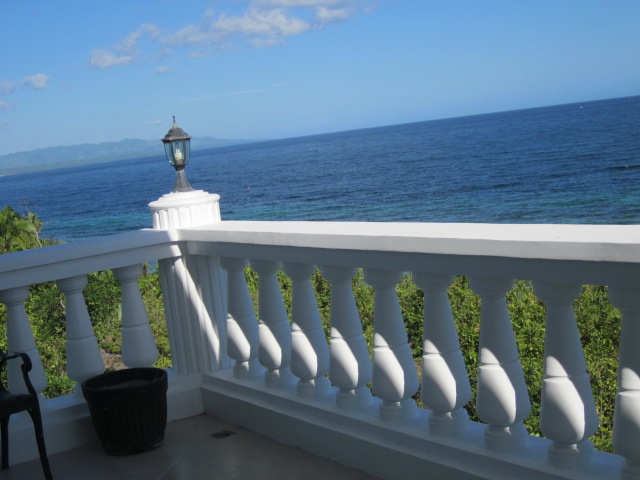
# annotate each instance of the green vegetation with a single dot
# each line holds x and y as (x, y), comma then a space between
(18, 232)
(598, 323)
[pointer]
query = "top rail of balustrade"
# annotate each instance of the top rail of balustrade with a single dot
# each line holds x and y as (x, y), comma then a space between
(85, 256)
(597, 254)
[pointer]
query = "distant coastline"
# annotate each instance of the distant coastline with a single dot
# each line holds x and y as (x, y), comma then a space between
(86, 154)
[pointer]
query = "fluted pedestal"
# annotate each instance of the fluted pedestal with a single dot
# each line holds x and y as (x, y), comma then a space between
(193, 287)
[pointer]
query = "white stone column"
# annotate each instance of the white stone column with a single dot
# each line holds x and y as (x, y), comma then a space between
(274, 328)
(138, 344)
(242, 324)
(84, 359)
(309, 350)
(395, 379)
(20, 339)
(445, 382)
(568, 414)
(193, 287)
(626, 419)
(502, 399)
(350, 366)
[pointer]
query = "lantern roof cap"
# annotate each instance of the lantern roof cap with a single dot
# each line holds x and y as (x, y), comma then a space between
(175, 133)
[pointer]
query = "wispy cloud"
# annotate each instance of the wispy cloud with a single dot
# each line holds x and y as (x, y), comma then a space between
(126, 51)
(161, 70)
(155, 122)
(4, 106)
(262, 23)
(37, 81)
(326, 15)
(106, 59)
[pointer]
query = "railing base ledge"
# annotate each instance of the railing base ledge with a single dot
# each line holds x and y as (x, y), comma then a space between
(361, 440)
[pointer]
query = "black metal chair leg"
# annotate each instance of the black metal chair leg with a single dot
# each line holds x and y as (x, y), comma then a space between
(11, 403)
(42, 449)
(4, 427)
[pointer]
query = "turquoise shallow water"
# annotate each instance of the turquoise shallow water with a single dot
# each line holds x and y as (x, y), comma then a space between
(576, 163)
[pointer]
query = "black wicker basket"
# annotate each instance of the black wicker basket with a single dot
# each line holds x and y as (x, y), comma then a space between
(128, 408)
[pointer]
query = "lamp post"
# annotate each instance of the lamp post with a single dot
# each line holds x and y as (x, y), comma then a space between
(176, 146)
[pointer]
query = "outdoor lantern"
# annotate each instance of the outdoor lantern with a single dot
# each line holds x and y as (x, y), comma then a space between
(176, 146)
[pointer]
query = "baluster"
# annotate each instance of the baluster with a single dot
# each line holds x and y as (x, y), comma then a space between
(350, 365)
(502, 399)
(445, 382)
(626, 419)
(242, 325)
(395, 379)
(83, 355)
(20, 339)
(309, 350)
(274, 328)
(567, 410)
(138, 344)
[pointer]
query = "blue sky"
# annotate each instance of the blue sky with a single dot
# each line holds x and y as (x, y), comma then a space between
(82, 72)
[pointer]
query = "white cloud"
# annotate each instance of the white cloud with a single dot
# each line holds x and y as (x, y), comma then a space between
(161, 70)
(262, 23)
(155, 122)
(125, 52)
(269, 23)
(105, 59)
(255, 25)
(326, 15)
(128, 44)
(37, 81)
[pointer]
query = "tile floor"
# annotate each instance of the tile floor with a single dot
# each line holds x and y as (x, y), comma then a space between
(192, 451)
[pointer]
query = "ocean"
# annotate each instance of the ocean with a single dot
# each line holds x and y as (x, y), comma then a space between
(577, 163)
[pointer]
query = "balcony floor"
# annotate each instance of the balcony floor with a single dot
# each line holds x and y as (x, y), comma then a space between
(191, 451)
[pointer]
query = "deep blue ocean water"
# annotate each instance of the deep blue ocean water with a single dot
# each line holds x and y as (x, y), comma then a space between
(577, 163)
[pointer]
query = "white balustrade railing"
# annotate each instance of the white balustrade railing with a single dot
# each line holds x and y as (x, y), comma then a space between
(56, 263)
(558, 259)
(338, 378)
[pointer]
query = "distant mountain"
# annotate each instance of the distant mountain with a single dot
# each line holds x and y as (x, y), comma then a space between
(69, 156)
